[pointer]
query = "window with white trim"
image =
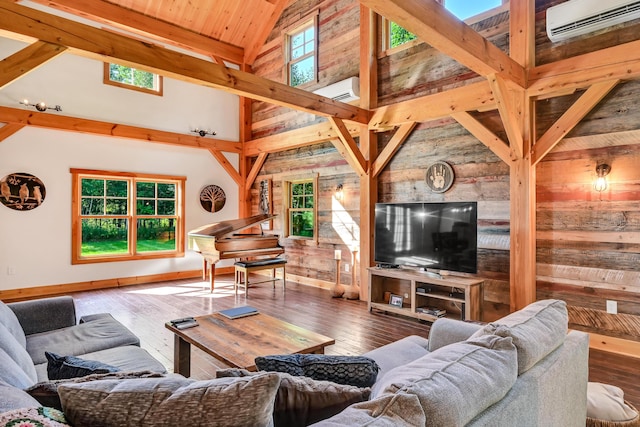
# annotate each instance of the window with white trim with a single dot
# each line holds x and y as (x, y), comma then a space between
(302, 58)
(118, 216)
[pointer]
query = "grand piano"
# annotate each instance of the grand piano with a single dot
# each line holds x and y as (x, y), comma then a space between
(223, 240)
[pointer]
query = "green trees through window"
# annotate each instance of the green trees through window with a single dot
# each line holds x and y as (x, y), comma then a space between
(126, 216)
(302, 55)
(131, 78)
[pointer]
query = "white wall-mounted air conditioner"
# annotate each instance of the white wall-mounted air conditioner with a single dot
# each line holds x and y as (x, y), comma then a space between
(576, 17)
(345, 90)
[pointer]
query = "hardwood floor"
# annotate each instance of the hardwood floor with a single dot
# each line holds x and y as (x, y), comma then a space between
(145, 308)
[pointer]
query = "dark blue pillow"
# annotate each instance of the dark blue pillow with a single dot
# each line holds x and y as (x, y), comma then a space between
(65, 367)
(357, 371)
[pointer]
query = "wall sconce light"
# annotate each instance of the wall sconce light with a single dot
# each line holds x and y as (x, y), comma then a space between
(203, 132)
(339, 192)
(602, 170)
(40, 106)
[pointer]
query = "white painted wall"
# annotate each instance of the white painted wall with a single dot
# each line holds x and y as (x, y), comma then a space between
(35, 246)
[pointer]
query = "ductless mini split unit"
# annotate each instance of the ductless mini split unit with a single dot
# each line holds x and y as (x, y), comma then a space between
(345, 90)
(575, 17)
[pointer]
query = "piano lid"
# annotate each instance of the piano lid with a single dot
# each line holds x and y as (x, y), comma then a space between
(222, 228)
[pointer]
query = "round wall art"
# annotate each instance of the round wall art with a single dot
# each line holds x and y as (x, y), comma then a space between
(212, 198)
(439, 177)
(21, 191)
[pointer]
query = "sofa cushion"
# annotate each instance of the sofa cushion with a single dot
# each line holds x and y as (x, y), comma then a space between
(536, 330)
(64, 367)
(36, 417)
(17, 352)
(13, 398)
(12, 374)
(456, 382)
(244, 401)
(81, 339)
(128, 358)
(10, 321)
(46, 392)
(358, 371)
(398, 353)
(301, 401)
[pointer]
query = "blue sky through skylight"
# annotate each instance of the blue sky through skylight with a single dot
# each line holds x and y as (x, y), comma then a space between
(464, 9)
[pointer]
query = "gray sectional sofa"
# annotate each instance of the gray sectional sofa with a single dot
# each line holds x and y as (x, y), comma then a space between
(29, 328)
(525, 369)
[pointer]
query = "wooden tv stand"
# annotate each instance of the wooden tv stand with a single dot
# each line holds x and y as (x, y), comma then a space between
(420, 289)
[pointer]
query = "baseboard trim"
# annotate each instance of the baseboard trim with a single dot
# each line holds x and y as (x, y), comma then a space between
(614, 345)
(51, 290)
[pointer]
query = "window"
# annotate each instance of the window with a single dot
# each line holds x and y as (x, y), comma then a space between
(301, 208)
(123, 216)
(131, 78)
(301, 54)
(393, 35)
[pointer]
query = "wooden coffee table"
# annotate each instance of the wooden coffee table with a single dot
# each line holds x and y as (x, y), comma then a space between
(238, 342)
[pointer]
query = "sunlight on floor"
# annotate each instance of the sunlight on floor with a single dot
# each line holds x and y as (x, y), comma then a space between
(223, 288)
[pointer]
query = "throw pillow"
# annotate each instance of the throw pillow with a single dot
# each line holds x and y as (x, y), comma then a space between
(357, 371)
(302, 401)
(41, 417)
(46, 392)
(174, 400)
(65, 367)
(606, 402)
(536, 330)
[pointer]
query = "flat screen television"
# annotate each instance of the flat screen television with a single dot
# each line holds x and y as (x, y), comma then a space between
(438, 236)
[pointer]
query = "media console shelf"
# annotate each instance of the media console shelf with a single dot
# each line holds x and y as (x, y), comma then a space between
(450, 293)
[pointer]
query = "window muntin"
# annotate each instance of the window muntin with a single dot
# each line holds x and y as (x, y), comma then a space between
(132, 78)
(120, 216)
(301, 54)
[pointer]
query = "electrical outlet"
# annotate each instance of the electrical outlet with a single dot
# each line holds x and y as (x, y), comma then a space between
(406, 295)
(346, 267)
(612, 307)
(11, 271)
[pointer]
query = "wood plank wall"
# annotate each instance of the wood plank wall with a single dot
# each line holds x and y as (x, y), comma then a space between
(588, 243)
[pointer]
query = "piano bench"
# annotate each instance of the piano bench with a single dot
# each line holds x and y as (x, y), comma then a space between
(243, 268)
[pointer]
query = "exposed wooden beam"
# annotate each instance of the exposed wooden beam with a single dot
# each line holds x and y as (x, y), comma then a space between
(522, 32)
(571, 118)
(31, 57)
(578, 72)
(103, 45)
(258, 40)
(245, 115)
(253, 173)
(227, 166)
(499, 147)
(73, 124)
(475, 96)
(9, 129)
(308, 135)
(510, 103)
(139, 23)
(437, 26)
(392, 147)
(347, 147)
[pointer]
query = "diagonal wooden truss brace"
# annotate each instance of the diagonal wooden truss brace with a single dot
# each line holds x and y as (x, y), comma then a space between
(391, 148)
(347, 147)
(227, 166)
(570, 119)
(9, 129)
(31, 57)
(499, 147)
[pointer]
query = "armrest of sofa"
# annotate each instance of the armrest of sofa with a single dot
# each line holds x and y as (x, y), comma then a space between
(45, 314)
(448, 331)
